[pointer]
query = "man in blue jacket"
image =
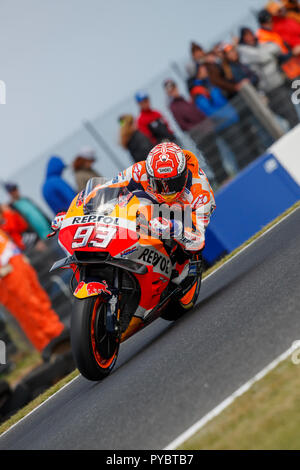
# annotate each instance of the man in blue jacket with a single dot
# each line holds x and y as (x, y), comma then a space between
(57, 193)
(228, 123)
(211, 101)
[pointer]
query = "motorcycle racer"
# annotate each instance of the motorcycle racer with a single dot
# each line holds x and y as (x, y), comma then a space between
(133, 260)
(172, 176)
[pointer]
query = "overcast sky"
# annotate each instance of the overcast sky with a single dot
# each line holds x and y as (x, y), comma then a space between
(66, 60)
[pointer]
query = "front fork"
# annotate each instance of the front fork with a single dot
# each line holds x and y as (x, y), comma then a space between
(112, 314)
(113, 310)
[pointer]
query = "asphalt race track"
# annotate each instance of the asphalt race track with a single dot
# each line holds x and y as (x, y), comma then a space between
(171, 374)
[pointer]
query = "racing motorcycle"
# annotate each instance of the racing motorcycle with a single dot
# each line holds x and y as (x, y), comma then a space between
(123, 276)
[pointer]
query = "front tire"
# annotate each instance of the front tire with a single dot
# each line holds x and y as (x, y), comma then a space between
(95, 350)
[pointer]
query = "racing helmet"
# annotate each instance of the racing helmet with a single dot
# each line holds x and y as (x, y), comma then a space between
(166, 168)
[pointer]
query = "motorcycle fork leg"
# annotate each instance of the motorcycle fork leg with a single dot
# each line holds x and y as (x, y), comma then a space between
(113, 311)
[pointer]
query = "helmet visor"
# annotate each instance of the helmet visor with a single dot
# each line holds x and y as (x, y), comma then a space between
(168, 186)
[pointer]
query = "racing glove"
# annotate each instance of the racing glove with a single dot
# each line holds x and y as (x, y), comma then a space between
(164, 228)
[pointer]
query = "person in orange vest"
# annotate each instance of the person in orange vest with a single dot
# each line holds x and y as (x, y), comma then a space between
(262, 58)
(266, 34)
(288, 28)
(14, 225)
(290, 56)
(22, 296)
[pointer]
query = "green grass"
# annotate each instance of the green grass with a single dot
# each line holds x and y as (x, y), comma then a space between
(265, 417)
(37, 401)
(25, 359)
(40, 399)
(24, 363)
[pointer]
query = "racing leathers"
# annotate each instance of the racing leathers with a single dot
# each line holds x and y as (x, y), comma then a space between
(197, 196)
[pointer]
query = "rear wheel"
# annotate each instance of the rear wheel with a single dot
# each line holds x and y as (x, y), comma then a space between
(177, 307)
(95, 350)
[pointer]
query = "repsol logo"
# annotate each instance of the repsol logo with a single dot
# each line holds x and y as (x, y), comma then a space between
(152, 257)
(94, 219)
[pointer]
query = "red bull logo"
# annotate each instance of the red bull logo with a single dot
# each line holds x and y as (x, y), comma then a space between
(89, 289)
(97, 288)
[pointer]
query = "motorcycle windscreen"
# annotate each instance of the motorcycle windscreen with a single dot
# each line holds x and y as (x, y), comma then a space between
(103, 199)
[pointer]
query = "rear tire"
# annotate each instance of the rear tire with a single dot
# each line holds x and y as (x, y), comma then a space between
(95, 351)
(176, 308)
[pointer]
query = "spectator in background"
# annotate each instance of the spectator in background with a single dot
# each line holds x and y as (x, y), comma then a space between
(200, 128)
(186, 114)
(235, 71)
(214, 65)
(287, 28)
(22, 295)
(217, 52)
(292, 9)
(82, 166)
(14, 225)
(57, 193)
(231, 74)
(266, 33)
(262, 58)
(212, 102)
(133, 140)
(197, 57)
(151, 122)
(288, 59)
(33, 215)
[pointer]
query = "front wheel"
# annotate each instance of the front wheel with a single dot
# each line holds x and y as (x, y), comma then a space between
(95, 350)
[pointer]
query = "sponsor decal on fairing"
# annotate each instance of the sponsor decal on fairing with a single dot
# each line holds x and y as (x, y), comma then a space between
(156, 259)
(89, 289)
